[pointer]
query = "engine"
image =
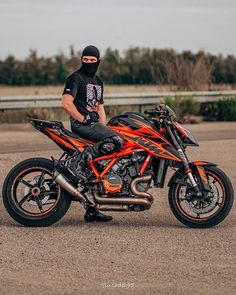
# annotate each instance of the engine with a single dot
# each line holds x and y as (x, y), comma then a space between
(120, 176)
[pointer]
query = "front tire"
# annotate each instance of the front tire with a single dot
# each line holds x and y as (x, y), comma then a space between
(31, 196)
(213, 212)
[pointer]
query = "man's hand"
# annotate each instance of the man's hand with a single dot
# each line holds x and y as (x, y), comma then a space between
(90, 118)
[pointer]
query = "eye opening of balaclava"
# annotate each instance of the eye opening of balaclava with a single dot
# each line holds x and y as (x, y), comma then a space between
(90, 68)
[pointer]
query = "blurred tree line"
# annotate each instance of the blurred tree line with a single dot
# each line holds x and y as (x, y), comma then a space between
(185, 70)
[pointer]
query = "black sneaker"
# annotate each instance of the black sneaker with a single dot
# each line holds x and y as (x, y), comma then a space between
(95, 215)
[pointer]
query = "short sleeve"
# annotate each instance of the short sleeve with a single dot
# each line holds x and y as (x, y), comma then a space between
(101, 100)
(71, 86)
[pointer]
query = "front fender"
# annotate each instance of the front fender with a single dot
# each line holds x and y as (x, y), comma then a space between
(177, 176)
(202, 163)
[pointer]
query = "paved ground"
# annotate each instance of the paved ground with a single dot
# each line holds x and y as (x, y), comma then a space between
(149, 252)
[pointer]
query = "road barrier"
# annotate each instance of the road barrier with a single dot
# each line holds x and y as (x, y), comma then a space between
(121, 99)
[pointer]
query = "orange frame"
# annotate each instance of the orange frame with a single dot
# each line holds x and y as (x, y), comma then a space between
(114, 157)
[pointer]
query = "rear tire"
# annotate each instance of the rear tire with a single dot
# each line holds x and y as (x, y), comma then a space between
(215, 218)
(60, 200)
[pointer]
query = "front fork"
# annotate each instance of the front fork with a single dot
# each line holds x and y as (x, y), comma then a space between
(200, 172)
(187, 169)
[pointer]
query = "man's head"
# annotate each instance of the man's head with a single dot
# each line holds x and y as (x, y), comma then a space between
(90, 60)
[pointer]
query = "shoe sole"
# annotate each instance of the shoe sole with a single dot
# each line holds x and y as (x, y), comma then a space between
(97, 220)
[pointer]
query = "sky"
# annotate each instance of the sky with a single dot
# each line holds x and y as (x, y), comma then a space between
(51, 26)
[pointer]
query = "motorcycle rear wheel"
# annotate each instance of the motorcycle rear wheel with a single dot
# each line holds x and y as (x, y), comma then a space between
(31, 196)
(203, 214)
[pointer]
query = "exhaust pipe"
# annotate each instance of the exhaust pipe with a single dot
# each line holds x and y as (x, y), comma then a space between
(145, 199)
(115, 204)
(136, 192)
(122, 201)
(112, 207)
(64, 183)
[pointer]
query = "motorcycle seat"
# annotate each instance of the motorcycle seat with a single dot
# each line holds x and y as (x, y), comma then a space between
(70, 133)
(76, 136)
(45, 123)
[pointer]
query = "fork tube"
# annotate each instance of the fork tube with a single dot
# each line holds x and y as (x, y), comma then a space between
(183, 157)
(178, 147)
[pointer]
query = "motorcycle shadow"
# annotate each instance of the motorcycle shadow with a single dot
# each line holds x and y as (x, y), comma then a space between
(142, 222)
(115, 223)
(70, 223)
(119, 223)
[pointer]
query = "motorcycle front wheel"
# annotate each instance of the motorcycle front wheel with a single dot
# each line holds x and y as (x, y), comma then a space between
(31, 196)
(202, 212)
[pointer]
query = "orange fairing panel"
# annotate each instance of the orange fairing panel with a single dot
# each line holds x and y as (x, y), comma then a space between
(79, 143)
(60, 140)
(156, 149)
(179, 127)
(68, 141)
(144, 130)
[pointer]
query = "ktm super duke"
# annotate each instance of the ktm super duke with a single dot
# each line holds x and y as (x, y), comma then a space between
(38, 191)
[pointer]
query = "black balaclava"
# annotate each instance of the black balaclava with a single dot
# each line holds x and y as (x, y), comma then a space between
(90, 68)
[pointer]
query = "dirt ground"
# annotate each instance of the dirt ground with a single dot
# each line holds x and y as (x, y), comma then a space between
(136, 253)
(57, 89)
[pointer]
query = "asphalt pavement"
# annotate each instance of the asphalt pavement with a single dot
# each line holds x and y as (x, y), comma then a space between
(137, 253)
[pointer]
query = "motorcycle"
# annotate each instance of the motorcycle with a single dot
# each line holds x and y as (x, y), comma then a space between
(39, 191)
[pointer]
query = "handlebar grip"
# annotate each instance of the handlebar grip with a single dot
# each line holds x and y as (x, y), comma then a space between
(156, 113)
(150, 112)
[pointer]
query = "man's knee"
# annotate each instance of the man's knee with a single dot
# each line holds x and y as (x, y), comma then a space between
(111, 144)
(119, 141)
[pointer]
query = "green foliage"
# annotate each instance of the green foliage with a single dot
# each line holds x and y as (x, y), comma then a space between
(227, 109)
(224, 69)
(223, 110)
(186, 70)
(209, 111)
(184, 107)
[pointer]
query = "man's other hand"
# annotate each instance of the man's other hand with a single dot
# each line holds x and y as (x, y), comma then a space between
(90, 118)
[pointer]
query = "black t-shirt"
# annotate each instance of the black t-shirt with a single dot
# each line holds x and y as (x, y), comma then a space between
(87, 91)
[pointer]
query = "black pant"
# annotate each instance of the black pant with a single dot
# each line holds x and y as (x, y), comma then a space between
(107, 140)
(94, 132)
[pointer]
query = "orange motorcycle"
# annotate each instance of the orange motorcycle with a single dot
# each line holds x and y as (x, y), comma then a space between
(39, 191)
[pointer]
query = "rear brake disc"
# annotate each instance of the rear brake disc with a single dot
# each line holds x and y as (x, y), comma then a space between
(44, 198)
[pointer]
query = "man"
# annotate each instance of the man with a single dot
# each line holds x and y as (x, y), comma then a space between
(83, 101)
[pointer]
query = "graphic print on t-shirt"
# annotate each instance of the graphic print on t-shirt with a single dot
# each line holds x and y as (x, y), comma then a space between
(93, 96)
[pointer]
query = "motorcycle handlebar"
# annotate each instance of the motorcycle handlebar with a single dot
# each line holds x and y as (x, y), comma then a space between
(150, 112)
(155, 112)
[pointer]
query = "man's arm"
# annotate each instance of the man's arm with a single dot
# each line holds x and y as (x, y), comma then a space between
(68, 105)
(102, 114)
